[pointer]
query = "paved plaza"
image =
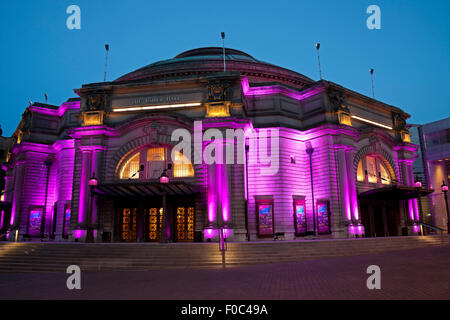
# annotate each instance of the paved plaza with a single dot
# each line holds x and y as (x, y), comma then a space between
(409, 274)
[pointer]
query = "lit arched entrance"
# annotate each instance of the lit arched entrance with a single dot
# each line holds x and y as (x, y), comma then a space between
(137, 195)
(380, 209)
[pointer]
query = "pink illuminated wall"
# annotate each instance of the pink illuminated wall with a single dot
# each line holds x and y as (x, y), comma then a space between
(34, 185)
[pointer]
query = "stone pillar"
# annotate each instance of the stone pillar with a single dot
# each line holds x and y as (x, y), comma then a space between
(344, 184)
(97, 154)
(7, 196)
(65, 163)
(352, 186)
(8, 183)
(16, 211)
(406, 181)
(86, 155)
(212, 194)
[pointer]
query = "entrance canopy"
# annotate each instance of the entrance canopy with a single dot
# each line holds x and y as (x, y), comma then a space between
(395, 193)
(144, 189)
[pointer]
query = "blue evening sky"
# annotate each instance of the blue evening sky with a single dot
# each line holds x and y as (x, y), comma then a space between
(410, 54)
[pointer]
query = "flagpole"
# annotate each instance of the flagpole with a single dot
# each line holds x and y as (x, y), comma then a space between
(318, 57)
(106, 61)
(223, 47)
(371, 76)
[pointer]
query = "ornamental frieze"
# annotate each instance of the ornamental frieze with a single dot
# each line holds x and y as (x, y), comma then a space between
(218, 91)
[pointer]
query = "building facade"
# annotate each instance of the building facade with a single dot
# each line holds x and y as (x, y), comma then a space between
(432, 167)
(304, 158)
(5, 208)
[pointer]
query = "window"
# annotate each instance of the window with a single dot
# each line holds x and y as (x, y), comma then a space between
(131, 168)
(182, 167)
(384, 175)
(371, 168)
(374, 169)
(264, 212)
(360, 174)
(156, 160)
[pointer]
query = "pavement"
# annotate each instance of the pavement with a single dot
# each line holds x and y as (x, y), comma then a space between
(421, 273)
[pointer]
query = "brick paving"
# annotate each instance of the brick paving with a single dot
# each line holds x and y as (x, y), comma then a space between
(409, 274)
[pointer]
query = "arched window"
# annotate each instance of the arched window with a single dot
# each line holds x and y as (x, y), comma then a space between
(149, 163)
(373, 169)
(384, 174)
(130, 170)
(182, 166)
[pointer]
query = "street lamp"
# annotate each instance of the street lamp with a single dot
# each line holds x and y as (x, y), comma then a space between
(93, 182)
(444, 189)
(163, 180)
(418, 185)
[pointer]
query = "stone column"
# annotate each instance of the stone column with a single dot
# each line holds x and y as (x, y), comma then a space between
(84, 188)
(406, 181)
(7, 196)
(212, 194)
(352, 185)
(16, 211)
(97, 154)
(344, 183)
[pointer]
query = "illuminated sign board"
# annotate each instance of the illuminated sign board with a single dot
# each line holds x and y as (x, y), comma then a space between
(265, 218)
(300, 217)
(157, 101)
(35, 221)
(323, 217)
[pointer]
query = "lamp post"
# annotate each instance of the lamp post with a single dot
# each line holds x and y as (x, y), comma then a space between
(310, 151)
(163, 180)
(90, 231)
(444, 189)
(418, 186)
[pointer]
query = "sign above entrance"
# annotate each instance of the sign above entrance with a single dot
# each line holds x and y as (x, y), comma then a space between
(160, 101)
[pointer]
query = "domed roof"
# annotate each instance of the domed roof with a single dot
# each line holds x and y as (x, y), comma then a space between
(209, 60)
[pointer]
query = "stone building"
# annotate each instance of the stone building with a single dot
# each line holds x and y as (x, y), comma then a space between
(432, 167)
(5, 144)
(310, 158)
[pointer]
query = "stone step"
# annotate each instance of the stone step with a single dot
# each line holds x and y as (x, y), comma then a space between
(48, 257)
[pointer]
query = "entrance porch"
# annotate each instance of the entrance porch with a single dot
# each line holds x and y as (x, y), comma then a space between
(138, 211)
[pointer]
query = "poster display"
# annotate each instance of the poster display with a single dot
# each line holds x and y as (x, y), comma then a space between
(300, 217)
(265, 219)
(34, 222)
(67, 213)
(323, 217)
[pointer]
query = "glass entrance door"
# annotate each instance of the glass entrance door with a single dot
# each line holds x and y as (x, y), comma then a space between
(128, 225)
(143, 221)
(185, 224)
(154, 224)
